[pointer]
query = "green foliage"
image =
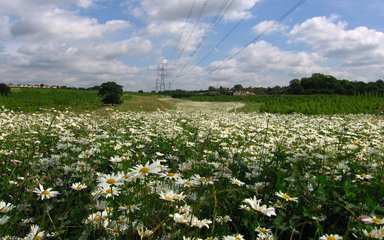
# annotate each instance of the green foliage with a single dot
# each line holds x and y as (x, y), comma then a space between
(111, 93)
(306, 104)
(35, 99)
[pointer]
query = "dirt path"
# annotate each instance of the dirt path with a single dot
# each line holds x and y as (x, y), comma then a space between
(205, 107)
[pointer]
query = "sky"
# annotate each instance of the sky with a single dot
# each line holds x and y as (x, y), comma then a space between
(194, 43)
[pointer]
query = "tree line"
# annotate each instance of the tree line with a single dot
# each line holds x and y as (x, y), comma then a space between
(318, 83)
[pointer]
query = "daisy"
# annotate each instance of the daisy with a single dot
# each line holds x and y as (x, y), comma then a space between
(5, 207)
(286, 196)
(78, 186)
(171, 196)
(187, 183)
(331, 237)
(109, 191)
(376, 233)
(363, 176)
(373, 219)
(200, 223)
(35, 234)
(45, 193)
(202, 180)
(170, 175)
(144, 170)
(255, 204)
(143, 232)
(3, 220)
(129, 208)
(110, 179)
(236, 181)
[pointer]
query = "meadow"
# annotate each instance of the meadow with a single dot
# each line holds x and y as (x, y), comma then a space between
(306, 104)
(177, 175)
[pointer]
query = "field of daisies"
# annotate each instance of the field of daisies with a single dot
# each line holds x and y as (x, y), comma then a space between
(176, 175)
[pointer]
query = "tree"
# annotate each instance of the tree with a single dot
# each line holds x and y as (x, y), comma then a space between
(4, 89)
(111, 93)
(238, 87)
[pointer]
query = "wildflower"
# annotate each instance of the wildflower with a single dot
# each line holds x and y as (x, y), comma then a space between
(286, 196)
(183, 209)
(116, 159)
(129, 208)
(170, 175)
(237, 181)
(3, 220)
(143, 232)
(187, 183)
(109, 191)
(223, 219)
(5, 207)
(330, 237)
(200, 223)
(264, 233)
(45, 193)
(373, 219)
(110, 179)
(255, 204)
(376, 233)
(363, 176)
(144, 170)
(97, 218)
(34, 233)
(171, 196)
(234, 237)
(78, 186)
(202, 180)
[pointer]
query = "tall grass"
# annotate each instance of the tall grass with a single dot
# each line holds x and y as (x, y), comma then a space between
(306, 104)
(31, 100)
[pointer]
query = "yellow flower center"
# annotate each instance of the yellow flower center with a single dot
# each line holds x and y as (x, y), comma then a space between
(111, 181)
(79, 187)
(187, 183)
(170, 174)
(121, 221)
(168, 198)
(38, 237)
(109, 190)
(376, 220)
(46, 192)
(331, 238)
(96, 218)
(263, 230)
(203, 179)
(144, 170)
(286, 196)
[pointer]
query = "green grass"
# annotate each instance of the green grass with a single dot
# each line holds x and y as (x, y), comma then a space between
(306, 104)
(31, 100)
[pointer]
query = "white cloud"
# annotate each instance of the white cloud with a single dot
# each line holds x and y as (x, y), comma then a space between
(261, 61)
(84, 3)
(64, 25)
(129, 47)
(267, 27)
(4, 26)
(358, 48)
(179, 9)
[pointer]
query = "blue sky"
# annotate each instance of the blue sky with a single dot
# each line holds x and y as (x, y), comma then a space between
(84, 43)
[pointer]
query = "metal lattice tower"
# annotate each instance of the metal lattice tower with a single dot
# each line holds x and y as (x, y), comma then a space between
(161, 74)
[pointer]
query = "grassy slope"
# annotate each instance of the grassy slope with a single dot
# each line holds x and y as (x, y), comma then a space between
(31, 100)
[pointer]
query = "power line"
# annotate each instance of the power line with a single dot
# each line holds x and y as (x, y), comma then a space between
(184, 27)
(216, 19)
(194, 27)
(280, 19)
